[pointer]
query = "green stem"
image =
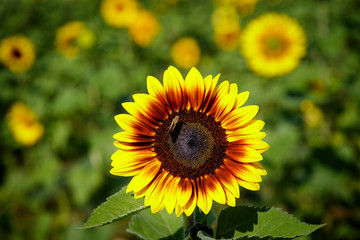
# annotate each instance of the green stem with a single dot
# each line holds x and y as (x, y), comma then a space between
(188, 223)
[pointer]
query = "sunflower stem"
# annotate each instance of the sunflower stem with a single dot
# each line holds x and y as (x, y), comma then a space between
(188, 223)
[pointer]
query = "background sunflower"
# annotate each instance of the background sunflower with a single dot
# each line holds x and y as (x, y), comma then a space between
(17, 52)
(273, 44)
(311, 111)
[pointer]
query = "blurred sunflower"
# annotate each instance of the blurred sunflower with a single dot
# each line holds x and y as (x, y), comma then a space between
(144, 29)
(72, 37)
(17, 52)
(273, 44)
(246, 7)
(225, 21)
(228, 38)
(186, 52)
(24, 124)
(119, 13)
(189, 142)
(313, 116)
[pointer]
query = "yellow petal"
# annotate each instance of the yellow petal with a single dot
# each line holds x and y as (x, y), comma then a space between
(228, 181)
(215, 189)
(123, 159)
(239, 117)
(132, 137)
(253, 186)
(139, 114)
(185, 191)
(242, 170)
(146, 175)
(256, 144)
(207, 83)
(195, 88)
(259, 168)
(244, 154)
(220, 92)
(253, 126)
(230, 199)
(151, 106)
(241, 98)
(236, 136)
(203, 199)
(130, 124)
(156, 192)
(191, 204)
(157, 90)
(222, 89)
(178, 210)
(233, 88)
(142, 192)
(127, 172)
(170, 197)
(128, 147)
(174, 88)
(224, 106)
(210, 95)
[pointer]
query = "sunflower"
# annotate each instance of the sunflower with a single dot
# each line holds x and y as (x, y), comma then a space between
(185, 52)
(119, 13)
(313, 116)
(24, 124)
(225, 21)
(144, 29)
(72, 37)
(246, 7)
(17, 52)
(273, 44)
(189, 142)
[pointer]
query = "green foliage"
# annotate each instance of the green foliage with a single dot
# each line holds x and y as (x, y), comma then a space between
(48, 190)
(243, 222)
(116, 207)
(161, 225)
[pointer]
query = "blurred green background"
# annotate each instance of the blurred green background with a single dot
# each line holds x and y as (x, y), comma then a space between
(49, 189)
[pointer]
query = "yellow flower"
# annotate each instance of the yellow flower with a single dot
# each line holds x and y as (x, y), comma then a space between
(226, 26)
(24, 124)
(186, 52)
(17, 52)
(313, 115)
(119, 13)
(72, 37)
(144, 29)
(189, 142)
(246, 7)
(273, 44)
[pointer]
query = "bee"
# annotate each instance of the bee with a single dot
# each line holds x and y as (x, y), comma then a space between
(173, 124)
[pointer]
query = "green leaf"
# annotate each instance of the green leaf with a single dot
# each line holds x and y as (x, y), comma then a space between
(116, 207)
(161, 225)
(202, 218)
(244, 222)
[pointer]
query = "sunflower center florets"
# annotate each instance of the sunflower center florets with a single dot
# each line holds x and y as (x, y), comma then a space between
(16, 53)
(274, 46)
(190, 144)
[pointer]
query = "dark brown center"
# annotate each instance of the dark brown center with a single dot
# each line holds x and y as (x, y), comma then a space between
(192, 146)
(16, 53)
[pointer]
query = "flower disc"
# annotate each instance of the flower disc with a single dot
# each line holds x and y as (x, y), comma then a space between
(189, 142)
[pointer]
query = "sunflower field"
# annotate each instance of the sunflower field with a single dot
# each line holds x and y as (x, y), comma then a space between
(69, 67)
